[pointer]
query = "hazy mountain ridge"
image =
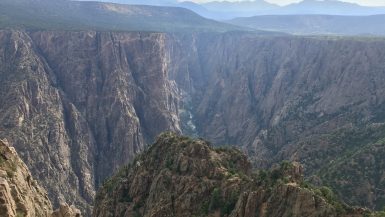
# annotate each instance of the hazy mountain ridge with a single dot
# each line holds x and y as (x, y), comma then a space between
(223, 10)
(316, 24)
(77, 15)
(330, 7)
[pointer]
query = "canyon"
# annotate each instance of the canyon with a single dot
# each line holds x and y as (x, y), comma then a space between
(78, 105)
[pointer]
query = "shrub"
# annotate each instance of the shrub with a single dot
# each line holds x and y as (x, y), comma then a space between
(216, 200)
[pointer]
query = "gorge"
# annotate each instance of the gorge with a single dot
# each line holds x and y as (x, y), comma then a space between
(77, 105)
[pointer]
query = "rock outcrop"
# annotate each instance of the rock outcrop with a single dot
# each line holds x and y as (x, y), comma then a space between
(178, 176)
(65, 210)
(20, 194)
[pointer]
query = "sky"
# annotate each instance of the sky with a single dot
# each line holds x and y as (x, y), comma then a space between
(285, 2)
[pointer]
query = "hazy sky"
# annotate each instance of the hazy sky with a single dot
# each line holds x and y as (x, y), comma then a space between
(284, 2)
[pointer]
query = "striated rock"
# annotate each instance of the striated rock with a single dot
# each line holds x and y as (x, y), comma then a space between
(78, 105)
(216, 182)
(8, 206)
(20, 195)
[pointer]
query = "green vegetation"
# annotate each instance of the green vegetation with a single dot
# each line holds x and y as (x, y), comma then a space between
(125, 197)
(111, 183)
(284, 174)
(358, 164)
(2, 161)
(137, 211)
(375, 214)
(169, 162)
(139, 205)
(379, 214)
(20, 214)
(219, 202)
(8, 165)
(281, 174)
(216, 200)
(205, 208)
(331, 198)
(230, 203)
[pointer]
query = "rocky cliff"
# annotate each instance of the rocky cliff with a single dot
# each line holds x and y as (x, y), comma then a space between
(79, 104)
(178, 176)
(20, 194)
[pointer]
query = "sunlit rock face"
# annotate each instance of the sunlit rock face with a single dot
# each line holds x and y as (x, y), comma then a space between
(20, 193)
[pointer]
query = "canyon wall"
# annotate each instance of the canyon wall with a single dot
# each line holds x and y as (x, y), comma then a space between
(78, 105)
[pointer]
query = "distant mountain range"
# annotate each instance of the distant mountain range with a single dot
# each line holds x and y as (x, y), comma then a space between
(316, 24)
(225, 10)
(302, 18)
(330, 7)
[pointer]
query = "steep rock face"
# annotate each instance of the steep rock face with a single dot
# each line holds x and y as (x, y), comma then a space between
(268, 94)
(77, 105)
(178, 176)
(20, 195)
(33, 117)
(118, 83)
